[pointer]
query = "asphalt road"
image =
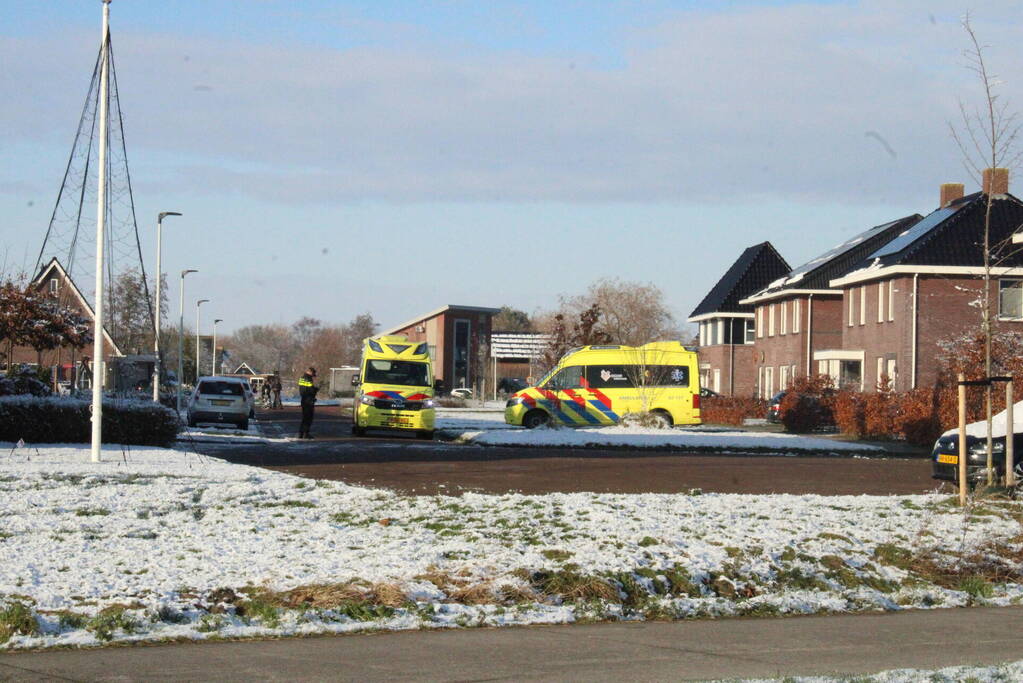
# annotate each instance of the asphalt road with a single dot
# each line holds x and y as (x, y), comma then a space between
(645, 651)
(405, 464)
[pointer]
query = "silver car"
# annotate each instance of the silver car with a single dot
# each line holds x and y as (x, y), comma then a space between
(220, 400)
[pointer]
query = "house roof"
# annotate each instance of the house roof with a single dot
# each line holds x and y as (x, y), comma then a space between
(434, 313)
(817, 273)
(44, 274)
(954, 235)
(755, 268)
(518, 344)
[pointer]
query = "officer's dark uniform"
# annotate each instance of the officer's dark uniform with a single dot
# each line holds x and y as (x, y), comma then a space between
(307, 391)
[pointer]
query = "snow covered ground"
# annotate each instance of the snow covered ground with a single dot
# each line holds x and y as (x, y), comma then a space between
(464, 419)
(155, 543)
(999, 673)
(680, 439)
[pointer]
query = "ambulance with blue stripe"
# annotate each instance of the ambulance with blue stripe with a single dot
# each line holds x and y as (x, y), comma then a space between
(597, 385)
(394, 387)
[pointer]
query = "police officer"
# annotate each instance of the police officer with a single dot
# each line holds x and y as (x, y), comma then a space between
(307, 389)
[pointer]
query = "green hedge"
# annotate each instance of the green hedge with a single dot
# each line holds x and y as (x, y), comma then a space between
(67, 420)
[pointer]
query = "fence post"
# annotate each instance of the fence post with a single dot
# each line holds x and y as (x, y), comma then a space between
(1010, 437)
(962, 441)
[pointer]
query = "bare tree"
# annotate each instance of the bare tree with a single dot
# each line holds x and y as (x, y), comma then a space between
(987, 137)
(632, 313)
(512, 320)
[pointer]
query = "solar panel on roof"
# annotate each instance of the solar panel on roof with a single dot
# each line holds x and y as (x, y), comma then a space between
(837, 251)
(921, 228)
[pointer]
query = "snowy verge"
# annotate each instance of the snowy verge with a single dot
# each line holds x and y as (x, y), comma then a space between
(997, 673)
(153, 544)
(456, 420)
(666, 439)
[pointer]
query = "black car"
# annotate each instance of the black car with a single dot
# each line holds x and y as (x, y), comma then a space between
(708, 393)
(509, 385)
(945, 456)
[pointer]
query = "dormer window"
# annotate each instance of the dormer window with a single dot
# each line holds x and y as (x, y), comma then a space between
(53, 286)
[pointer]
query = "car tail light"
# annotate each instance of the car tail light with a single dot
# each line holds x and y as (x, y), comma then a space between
(696, 401)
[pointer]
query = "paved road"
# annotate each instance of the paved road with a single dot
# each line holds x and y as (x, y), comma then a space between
(649, 651)
(412, 466)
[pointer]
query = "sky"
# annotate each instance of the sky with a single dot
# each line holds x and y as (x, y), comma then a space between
(332, 158)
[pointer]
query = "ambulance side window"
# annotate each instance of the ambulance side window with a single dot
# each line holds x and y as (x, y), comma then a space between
(567, 378)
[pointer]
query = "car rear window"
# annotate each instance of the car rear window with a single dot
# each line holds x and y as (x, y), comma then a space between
(221, 388)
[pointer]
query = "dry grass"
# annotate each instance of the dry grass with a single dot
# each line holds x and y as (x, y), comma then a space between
(333, 595)
(476, 594)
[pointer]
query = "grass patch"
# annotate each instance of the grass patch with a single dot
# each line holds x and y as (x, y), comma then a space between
(109, 621)
(556, 555)
(92, 512)
(569, 584)
(17, 618)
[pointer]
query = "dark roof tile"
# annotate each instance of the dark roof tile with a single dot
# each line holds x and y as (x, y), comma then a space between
(755, 268)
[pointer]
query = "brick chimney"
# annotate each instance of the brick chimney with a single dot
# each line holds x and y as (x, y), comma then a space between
(951, 192)
(996, 181)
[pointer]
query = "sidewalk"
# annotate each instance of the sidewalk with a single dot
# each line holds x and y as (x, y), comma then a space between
(648, 651)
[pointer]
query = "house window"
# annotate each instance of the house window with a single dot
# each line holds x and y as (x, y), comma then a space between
(852, 307)
(1010, 299)
(863, 305)
(750, 331)
(770, 321)
(880, 302)
(769, 381)
(785, 317)
(760, 382)
(891, 371)
(760, 322)
(783, 377)
(796, 313)
(717, 380)
(721, 332)
(880, 370)
(53, 286)
(891, 300)
(793, 373)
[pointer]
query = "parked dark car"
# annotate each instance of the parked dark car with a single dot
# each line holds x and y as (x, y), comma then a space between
(945, 456)
(509, 385)
(708, 393)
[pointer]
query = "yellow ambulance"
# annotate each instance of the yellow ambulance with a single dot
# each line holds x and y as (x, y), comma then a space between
(597, 385)
(394, 387)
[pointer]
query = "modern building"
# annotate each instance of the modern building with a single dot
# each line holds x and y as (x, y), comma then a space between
(515, 355)
(459, 341)
(727, 326)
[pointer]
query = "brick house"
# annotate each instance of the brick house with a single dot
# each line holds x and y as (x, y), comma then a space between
(798, 317)
(926, 285)
(53, 281)
(727, 362)
(459, 341)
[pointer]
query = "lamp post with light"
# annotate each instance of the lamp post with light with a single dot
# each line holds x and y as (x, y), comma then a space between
(181, 335)
(218, 320)
(198, 303)
(159, 302)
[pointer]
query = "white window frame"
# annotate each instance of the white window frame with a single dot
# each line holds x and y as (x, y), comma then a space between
(796, 313)
(717, 380)
(784, 317)
(721, 331)
(1018, 282)
(891, 301)
(880, 370)
(760, 382)
(770, 320)
(749, 332)
(880, 302)
(863, 305)
(852, 306)
(783, 376)
(769, 380)
(760, 322)
(892, 371)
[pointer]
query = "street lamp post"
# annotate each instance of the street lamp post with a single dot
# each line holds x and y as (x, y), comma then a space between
(159, 302)
(198, 303)
(181, 335)
(218, 320)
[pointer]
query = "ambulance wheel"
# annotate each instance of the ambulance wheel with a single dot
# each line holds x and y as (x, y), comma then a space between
(535, 418)
(663, 417)
(425, 435)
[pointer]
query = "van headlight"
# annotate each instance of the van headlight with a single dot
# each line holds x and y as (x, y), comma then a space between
(513, 401)
(367, 399)
(430, 403)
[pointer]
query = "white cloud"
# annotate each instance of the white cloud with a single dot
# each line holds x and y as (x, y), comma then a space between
(835, 103)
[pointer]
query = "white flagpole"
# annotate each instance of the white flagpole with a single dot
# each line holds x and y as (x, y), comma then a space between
(98, 369)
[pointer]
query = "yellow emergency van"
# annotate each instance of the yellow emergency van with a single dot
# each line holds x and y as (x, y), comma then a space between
(394, 387)
(597, 385)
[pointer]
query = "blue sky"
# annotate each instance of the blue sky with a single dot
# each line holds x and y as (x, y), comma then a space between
(337, 157)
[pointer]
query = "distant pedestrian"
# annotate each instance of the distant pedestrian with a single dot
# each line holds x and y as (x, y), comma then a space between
(307, 389)
(275, 387)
